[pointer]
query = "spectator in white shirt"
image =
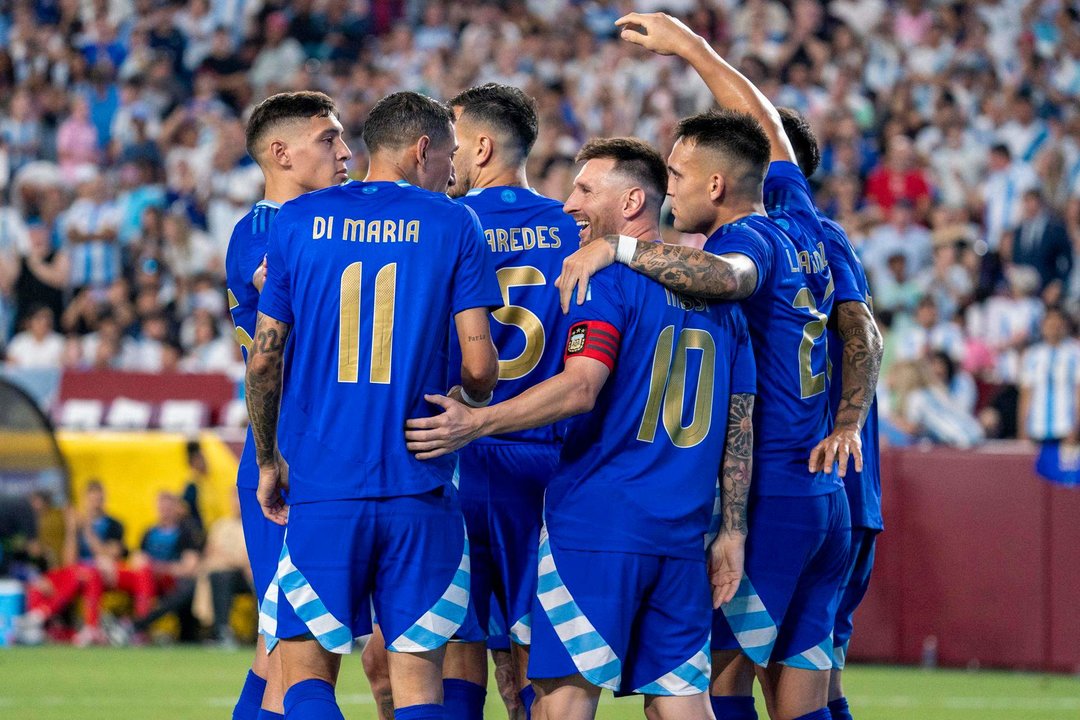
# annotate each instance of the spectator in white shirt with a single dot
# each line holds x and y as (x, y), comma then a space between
(1008, 323)
(38, 346)
(929, 334)
(925, 408)
(899, 235)
(1050, 384)
(1025, 134)
(959, 384)
(1002, 192)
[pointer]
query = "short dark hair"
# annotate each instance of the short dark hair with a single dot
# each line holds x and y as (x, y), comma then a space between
(634, 158)
(1001, 149)
(803, 140)
(736, 135)
(403, 118)
(503, 108)
(285, 107)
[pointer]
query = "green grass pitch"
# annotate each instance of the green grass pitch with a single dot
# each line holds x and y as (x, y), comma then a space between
(192, 683)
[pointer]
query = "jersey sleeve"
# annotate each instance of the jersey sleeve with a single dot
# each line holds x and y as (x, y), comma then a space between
(753, 246)
(786, 190)
(475, 282)
(1027, 369)
(596, 327)
(744, 368)
(841, 262)
(276, 298)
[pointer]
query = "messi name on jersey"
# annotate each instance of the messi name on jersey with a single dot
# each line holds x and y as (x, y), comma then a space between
(364, 230)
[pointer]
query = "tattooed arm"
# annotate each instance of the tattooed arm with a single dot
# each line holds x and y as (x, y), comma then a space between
(263, 391)
(726, 553)
(859, 373)
(686, 270)
(479, 359)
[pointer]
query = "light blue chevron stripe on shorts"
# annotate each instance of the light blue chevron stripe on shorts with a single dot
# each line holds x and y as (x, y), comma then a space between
(839, 655)
(819, 657)
(324, 627)
(751, 623)
(268, 611)
(438, 625)
(690, 678)
(521, 631)
(592, 656)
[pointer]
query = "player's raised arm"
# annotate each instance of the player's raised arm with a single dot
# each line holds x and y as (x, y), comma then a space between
(263, 391)
(571, 392)
(665, 35)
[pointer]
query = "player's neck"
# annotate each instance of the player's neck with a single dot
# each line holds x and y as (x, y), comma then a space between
(380, 169)
(502, 177)
(726, 215)
(642, 230)
(280, 190)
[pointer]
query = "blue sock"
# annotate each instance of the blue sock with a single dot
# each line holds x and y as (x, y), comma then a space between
(527, 695)
(420, 712)
(247, 706)
(733, 708)
(840, 710)
(267, 715)
(819, 714)
(312, 700)
(462, 700)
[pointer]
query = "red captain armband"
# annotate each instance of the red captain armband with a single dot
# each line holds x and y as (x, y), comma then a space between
(593, 339)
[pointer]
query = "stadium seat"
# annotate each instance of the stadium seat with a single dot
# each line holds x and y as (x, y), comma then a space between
(81, 414)
(128, 414)
(183, 415)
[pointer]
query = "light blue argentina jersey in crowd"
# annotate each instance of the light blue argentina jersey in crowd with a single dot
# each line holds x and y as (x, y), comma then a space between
(787, 314)
(1051, 374)
(247, 248)
(638, 473)
(368, 275)
(786, 192)
(528, 236)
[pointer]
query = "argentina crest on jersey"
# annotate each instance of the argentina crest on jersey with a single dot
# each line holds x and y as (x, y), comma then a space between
(576, 342)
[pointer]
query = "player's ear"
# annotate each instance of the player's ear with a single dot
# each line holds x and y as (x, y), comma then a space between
(716, 187)
(484, 150)
(421, 149)
(633, 202)
(278, 153)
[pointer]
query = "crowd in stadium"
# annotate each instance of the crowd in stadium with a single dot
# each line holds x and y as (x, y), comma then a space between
(949, 135)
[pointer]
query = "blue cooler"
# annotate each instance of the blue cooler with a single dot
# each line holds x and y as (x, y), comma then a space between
(11, 608)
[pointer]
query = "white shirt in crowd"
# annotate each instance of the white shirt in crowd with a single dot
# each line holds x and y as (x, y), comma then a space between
(1002, 194)
(916, 342)
(1051, 373)
(26, 352)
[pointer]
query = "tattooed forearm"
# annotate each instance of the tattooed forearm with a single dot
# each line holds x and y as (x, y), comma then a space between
(477, 338)
(861, 363)
(263, 385)
(695, 272)
(737, 468)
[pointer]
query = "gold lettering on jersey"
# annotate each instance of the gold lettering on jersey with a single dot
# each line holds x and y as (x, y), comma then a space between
(683, 302)
(808, 262)
(523, 238)
(322, 227)
(379, 231)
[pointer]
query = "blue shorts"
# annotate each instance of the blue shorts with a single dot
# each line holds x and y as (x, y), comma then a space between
(796, 559)
(407, 557)
(498, 637)
(853, 590)
(263, 540)
(626, 622)
(501, 486)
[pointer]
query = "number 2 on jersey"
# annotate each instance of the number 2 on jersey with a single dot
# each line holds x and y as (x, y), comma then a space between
(811, 383)
(669, 388)
(382, 324)
(521, 318)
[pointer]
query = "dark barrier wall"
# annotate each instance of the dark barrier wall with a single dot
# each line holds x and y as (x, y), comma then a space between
(979, 563)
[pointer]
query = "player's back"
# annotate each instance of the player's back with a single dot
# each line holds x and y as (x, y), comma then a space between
(638, 472)
(368, 275)
(528, 236)
(863, 488)
(247, 248)
(787, 316)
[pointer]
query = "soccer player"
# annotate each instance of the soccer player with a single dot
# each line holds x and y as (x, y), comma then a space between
(799, 524)
(528, 236)
(854, 344)
(365, 279)
(296, 138)
(652, 380)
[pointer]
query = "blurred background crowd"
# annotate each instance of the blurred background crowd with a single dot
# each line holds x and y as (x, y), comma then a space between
(950, 137)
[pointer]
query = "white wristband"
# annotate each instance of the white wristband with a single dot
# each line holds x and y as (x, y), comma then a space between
(471, 402)
(624, 251)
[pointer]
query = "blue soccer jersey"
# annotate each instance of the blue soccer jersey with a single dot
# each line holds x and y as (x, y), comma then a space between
(638, 473)
(247, 248)
(528, 235)
(368, 275)
(787, 314)
(863, 489)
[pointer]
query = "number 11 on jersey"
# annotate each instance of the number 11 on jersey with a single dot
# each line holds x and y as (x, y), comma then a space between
(382, 325)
